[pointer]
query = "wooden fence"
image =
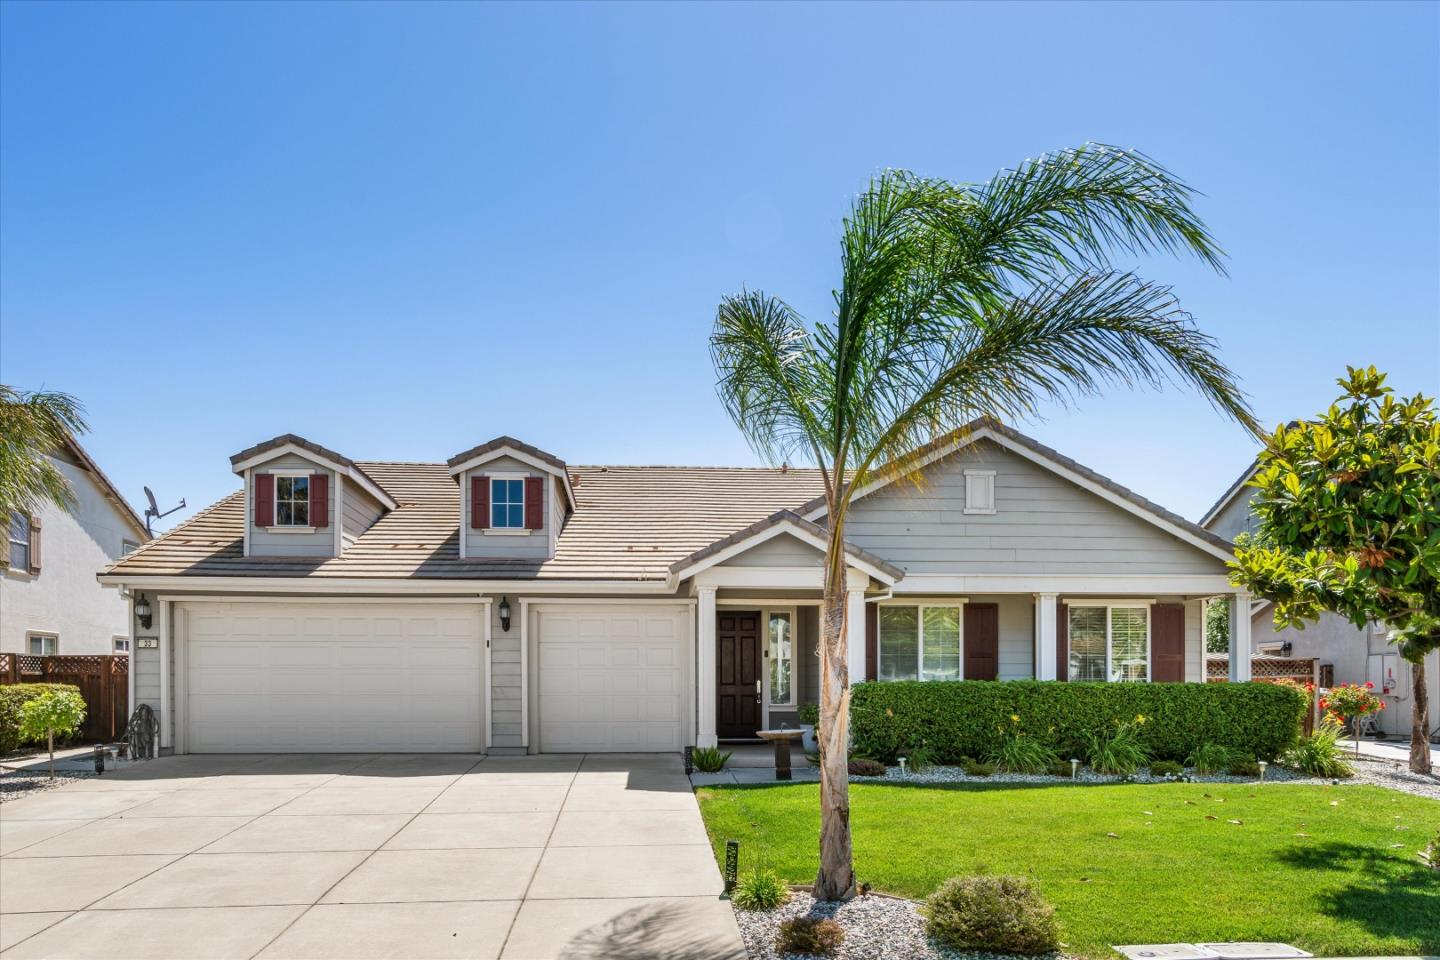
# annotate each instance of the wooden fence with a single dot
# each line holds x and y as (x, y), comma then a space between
(103, 682)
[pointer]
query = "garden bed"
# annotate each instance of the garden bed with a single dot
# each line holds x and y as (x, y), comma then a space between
(877, 927)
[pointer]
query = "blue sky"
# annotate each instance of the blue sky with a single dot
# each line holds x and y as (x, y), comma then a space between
(402, 230)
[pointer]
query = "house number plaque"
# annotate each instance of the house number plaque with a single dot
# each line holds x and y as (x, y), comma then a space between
(147, 643)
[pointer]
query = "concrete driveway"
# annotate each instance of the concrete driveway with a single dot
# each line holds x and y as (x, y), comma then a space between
(406, 856)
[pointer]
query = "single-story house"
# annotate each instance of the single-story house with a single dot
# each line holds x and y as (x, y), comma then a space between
(1356, 654)
(504, 600)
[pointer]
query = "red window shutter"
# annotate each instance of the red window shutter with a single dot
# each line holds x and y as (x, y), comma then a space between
(534, 500)
(872, 645)
(479, 503)
(34, 544)
(1062, 641)
(264, 493)
(320, 500)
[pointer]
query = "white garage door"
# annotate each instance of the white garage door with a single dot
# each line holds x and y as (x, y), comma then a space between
(613, 678)
(320, 677)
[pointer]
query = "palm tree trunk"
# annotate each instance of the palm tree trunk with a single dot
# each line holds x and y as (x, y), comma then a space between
(1419, 719)
(836, 879)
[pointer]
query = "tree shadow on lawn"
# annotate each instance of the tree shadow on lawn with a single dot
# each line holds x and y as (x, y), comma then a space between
(1400, 899)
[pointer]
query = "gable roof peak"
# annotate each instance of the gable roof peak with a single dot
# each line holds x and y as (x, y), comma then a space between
(505, 442)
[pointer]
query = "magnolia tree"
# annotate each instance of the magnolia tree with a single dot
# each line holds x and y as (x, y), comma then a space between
(53, 712)
(1348, 511)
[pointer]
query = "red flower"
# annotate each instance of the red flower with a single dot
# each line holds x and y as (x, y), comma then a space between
(1369, 685)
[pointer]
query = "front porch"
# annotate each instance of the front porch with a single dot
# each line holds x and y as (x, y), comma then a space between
(758, 647)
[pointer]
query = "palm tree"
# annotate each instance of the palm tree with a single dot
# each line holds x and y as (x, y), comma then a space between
(32, 425)
(959, 301)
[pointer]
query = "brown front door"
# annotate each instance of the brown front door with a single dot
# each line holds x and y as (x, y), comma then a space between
(982, 641)
(1167, 642)
(737, 674)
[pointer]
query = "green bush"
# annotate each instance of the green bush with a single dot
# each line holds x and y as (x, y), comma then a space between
(1016, 753)
(1211, 758)
(710, 759)
(1060, 768)
(1244, 768)
(809, 713)
(811, 936)
(1166, 768)
(860, 767)
(975, 768)
(995, 914)
(13, 697)
(1116, 750)
(958, 718)
(760, 890)
(1320, 754)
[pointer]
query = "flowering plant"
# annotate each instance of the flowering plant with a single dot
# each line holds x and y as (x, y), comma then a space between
(1349, 701)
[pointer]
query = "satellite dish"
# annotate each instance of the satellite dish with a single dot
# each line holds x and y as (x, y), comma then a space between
(152, 512)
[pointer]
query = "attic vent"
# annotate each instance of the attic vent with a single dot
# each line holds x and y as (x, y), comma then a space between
(979, 491)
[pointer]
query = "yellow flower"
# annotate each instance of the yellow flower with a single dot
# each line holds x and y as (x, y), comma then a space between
(1139, 718)
(1014, 718)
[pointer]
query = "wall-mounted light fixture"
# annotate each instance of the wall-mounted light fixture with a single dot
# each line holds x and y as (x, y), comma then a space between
(142, 611)
(504, 614)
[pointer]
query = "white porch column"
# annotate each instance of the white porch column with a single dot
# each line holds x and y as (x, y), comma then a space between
(1045, 651)
(1239, 637)
(855, 584)
(705, 679)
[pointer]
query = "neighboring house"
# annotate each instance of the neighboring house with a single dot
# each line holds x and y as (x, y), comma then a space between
(49, 600)
(506, 601)
(1357, 654)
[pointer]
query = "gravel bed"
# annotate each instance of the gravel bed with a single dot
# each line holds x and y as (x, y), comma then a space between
(876, 928)
(939, 774)
(17, 784)
(1396, 776)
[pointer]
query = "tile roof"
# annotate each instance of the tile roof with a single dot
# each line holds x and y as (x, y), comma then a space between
(781, 517)
(513, 444)
(631, 523)
(292, 439)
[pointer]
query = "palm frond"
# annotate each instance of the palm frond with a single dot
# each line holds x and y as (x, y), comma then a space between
(764, 359)
(34, 424)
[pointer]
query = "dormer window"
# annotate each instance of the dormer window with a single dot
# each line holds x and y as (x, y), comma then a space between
(507, 503)
(292, 501)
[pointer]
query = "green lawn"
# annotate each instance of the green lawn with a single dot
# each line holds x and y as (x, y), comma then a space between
(1314, 866)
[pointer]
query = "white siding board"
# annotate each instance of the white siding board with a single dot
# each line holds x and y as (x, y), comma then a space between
(361, 510)
(532, 546)
(782, 550)
(505, 678)
(321, 543)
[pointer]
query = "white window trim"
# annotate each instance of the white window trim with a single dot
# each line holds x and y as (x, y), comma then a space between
(490, 529)
(766, 703)
(47, 634)
(1110, 606)
(990, 510)
(291, 527)
(921, 607)
(115, 642)
(29, 538)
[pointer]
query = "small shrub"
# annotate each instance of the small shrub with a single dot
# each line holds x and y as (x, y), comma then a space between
(996, 914)
(920, 758)
(1320, 754)
(760, 890)
(12, 698)
(1244, 768)
(1431, 853)
(56, 712)
(710, 759)
(975, 768)
(1211, 758)
(860, 767)
(1166, 768)
(1117, 750)
(1015, 752)
(809, 713)
(1059, 768)
(815, 936)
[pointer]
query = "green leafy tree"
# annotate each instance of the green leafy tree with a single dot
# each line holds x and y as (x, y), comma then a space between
(34, 424)
(1348, 510)
(53, 712)
(1217, 626)
(958, 301)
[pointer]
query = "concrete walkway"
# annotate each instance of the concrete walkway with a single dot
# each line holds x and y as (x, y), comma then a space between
(1396, 750)
(423, 856)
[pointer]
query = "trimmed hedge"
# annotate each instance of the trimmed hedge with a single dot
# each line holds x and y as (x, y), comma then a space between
(956, 719)
(12, 697)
